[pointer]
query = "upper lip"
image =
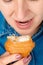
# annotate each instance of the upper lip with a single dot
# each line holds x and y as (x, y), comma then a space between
(23, 21)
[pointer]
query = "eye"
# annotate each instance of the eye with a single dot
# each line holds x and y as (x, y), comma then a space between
(33, 0)
(7, 0)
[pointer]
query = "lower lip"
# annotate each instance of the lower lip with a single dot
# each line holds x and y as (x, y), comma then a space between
(25, 25)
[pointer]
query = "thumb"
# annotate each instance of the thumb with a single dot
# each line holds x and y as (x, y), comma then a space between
(5, 54)
(10, 58)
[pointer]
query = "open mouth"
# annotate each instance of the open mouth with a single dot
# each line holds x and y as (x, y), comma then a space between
(24, 24)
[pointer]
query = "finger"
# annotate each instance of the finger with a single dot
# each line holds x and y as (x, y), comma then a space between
(28, 60)
(24, 61)
(20, 62)
(5, 54)
(1, 64)
(10, 58)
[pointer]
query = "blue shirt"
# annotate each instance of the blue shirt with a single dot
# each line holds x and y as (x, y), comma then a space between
(37, 53)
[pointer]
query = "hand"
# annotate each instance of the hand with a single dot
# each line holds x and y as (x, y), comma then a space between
(6, 58)
(23, 61)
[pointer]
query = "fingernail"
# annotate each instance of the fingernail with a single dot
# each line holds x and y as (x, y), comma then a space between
(25, 60)
(18, 56)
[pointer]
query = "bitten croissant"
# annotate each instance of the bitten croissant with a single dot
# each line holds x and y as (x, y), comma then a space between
(19, 45)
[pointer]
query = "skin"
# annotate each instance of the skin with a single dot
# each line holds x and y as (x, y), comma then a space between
(21, 10)
(6, 58)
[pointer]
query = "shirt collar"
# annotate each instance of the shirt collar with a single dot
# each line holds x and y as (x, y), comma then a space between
(5, 28)
(40, 32)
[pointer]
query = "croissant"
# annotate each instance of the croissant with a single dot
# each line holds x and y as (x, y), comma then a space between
(19, 45)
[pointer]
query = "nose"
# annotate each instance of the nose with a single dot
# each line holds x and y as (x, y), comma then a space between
(20, 13)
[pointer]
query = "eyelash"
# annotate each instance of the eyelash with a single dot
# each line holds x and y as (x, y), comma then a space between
(33, 0)
(7, 0)
(11, 0)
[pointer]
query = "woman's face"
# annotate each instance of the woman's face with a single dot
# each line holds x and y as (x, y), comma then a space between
(24, 16)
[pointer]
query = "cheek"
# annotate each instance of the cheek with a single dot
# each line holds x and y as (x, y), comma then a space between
(7, 9)
(36, 7)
